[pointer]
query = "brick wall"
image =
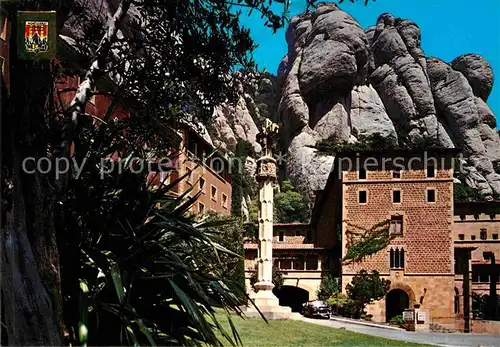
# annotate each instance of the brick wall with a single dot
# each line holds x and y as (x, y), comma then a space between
(426, 235)
(427, 239)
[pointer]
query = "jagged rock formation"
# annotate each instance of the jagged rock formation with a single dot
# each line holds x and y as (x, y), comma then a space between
(340, 81)
(259, 96)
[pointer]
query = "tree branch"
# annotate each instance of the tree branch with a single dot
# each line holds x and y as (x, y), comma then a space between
(84, 91)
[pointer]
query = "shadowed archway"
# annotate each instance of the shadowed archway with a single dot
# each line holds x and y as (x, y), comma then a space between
(395, 303)
(292, 296)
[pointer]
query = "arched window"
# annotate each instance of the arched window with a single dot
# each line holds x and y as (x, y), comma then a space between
(397, 258)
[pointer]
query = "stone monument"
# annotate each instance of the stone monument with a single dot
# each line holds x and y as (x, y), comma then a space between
(264, 298)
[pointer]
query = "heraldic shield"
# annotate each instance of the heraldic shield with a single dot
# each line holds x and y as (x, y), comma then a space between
(37, 38)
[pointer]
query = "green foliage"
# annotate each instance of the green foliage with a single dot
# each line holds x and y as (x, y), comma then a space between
(398, 320)
(230, 233)
(243, 183)
(366, 287)
(344, 306)
(290, 206)
(331, 145)
(464, 193)
(278, 279)
(151, 274)
(236, 188)
(362, 243)
(327, 287)
(481, 306)
(251, 231)
(374, 142)
(337, 302)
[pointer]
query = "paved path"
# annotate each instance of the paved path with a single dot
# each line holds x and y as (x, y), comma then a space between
(441, 339)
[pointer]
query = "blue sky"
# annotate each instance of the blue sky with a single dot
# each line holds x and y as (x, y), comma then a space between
(449, 28)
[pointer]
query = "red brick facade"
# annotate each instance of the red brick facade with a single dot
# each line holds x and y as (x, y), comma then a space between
(420, 197)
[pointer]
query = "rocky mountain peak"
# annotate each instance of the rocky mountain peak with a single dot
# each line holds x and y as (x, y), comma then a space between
(342, 83)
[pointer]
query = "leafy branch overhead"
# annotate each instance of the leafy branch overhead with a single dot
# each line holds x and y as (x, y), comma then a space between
(362, 243)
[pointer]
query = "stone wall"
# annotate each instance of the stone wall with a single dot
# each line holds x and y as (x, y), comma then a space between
(480, 326)
(432, 292)
(426, 237)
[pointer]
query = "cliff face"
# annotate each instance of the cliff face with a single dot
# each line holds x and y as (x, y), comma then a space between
(340, 81)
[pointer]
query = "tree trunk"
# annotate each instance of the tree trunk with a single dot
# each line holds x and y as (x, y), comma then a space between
(29, 257)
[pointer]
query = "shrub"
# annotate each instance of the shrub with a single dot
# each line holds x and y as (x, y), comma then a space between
(464, 193)
(337, 302)
(352, 309)
(327, 288)
(290, 206)
(398, 320)
(366, 287)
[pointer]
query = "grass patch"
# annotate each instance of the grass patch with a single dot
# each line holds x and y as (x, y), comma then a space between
(256, 332)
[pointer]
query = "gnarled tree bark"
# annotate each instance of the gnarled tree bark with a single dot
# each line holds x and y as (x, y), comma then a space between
(29, 258)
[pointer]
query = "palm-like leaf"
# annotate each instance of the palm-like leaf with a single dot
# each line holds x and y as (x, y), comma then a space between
(154, 274)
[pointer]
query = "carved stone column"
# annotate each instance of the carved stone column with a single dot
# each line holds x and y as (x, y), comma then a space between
(264, 298)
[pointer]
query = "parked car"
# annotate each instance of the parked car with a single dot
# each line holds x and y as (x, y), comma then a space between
(316, 308)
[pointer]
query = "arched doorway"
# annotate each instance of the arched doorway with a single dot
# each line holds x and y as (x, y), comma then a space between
(292, 296)
(395, 303)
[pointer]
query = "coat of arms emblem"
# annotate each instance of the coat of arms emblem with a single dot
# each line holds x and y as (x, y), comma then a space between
(36, 36)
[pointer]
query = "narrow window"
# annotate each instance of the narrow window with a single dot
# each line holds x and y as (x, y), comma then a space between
(224, 200)
(431, 171)
(362, 173)
(475, 273)
(457, 303)
(431, 195)
(495, 236)
(213, 193)
(473, 237)
(397, 258)
(202, 185)
(484, 274)
(483, 235)
(363, 196)
(461, 236)
(396, 173)
(281, 236)
(396, 196)
(396, 225)
(201, 208)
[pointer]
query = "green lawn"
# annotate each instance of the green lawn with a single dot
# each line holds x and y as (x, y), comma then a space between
(256, 332)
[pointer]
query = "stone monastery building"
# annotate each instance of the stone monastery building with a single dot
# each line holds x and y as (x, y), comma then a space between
(431, 239)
